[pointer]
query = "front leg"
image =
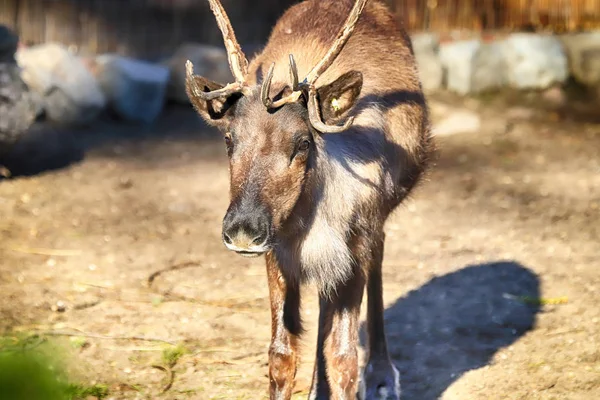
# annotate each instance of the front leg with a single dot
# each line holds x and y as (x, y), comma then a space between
(285, 332)
(381, 379)
(336, 367)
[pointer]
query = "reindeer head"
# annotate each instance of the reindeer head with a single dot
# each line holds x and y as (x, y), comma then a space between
(271, 145)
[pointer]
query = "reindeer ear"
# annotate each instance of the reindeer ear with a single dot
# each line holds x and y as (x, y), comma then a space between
(339, 96)
(217, 112)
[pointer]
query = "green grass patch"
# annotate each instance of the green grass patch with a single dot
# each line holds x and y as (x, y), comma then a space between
(76, 392)
(171, 355)
(32, 368)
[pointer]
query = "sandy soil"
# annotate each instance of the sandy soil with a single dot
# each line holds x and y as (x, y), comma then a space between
(510, 210)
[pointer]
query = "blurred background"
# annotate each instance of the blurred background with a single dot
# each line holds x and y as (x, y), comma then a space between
(114, 283)
(152, 28)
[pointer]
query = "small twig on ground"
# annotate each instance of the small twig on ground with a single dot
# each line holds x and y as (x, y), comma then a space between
(97, 336)
(172, 297)
(249, 355)
(28, 344)
(87, 304)
(249, 360)
(215, 350)
(239, 306)
(27, 328)
(565, 331)
(166, 296)
(170, 376)
(122, 349)
(94, 285)
(538, 301)
(182, 265)
(47, 252)
(35, 344)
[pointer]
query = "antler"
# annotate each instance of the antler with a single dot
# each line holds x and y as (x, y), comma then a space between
(238, 63)
(266, 87)
(309, 81)
(339, 43)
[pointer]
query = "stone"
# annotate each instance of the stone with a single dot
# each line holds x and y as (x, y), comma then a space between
(425, 41)
(431, 72)
(18, 106)
(535, 61)
(555, 96)
(136, 90)
(583, 51)
(210, 62)
(457, 59)
(472, 66)
(69, 92)
(489, 67)
(8, 44)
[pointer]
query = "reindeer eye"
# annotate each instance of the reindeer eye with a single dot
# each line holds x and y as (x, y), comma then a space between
(304, 145)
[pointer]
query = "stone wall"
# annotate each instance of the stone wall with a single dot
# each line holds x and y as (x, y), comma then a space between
(77, 89)
(18, 105)
(524, 61)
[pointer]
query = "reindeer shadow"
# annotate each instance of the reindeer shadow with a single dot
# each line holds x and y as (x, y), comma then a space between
(42, 148)
(47, 147)
(456, 323)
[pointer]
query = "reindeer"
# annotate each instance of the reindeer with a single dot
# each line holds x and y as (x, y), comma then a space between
(316, 167)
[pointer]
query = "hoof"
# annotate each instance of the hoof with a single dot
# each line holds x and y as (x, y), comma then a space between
(380, 383)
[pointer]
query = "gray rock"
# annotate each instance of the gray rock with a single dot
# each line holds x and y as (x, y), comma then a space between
(18, 106)
(431, 72)
(69, 91)
(489, 67)
(135, 90)
(472, 66)
(210, 62)
(535, 61)
(555, 96)
(583, 50)
(425, 41)
(8, 44)
(457, 59)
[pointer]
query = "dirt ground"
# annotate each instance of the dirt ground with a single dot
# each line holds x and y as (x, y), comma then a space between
(509, 217)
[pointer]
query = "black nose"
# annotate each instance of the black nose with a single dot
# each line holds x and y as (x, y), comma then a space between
(245, 229)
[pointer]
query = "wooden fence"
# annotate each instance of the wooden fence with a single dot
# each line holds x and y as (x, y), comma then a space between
(152, 28)
(445, 15)
(140, 28)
